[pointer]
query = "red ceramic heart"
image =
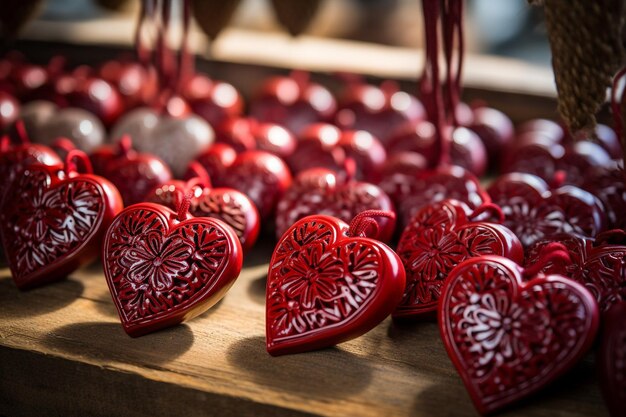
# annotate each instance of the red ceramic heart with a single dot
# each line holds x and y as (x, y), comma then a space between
(226, 204)
(366, 151)
(260, 175)
(317, 148)
(293, 102)
(377, 110)
(607, 183)
(213, 100)
(14, 158)
(597, 264)
(55, 221)
(134, 174)
(328, 283)
(321, 191)
(533, 211)
(439, 237)
(495, 130)
(163, 267)
(508, 338)
(215, 161)
(612, 359)
(415, 188)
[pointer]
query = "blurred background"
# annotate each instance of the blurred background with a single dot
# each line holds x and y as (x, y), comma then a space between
(508, 28)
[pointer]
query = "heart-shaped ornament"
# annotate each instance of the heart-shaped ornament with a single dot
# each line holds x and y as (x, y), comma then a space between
(439, 237)
(509, 338)
(14, 158)
(533, 211)
(328, 283)
(226, 204)
(53, 220)
(165, 267)
(612, 359)
(134, 174)
(322, 191)
(598, 264)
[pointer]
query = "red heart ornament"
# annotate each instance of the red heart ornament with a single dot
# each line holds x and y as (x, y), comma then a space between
(595, 263)
(607, 183)
(612, 359)
(321, 191)
(439, 237)
(508, 338)
(328, 283)
(55, 220)
(226, 204)
(14, 158)
(414, 188)
(533, 211)
(164, 267)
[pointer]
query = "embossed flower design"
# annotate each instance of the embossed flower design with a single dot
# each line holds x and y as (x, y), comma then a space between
(157, 262)
(312, 276)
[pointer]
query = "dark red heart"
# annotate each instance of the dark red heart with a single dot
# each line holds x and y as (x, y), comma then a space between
(163, 267)
(321, 191)
(14, 158)
(439, 237)
(317, 148)
(533, 211)
(53, 221)
(595, 263)
(607, 183)
(413, 189)
(327, 284)
(134, 174)
(612, 359)
(226, 204)
(508, 338)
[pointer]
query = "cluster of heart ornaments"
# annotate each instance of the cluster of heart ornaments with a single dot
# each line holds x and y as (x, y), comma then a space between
(521, 275)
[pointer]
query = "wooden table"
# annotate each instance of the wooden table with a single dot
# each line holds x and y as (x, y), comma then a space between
(63, 352)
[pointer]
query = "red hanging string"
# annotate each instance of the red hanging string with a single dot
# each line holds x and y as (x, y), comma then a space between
(365, 220)
(72, 156)
(552, 252)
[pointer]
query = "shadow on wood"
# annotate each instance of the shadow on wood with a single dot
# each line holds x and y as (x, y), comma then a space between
(16, 303)
(256, 289)
(328, 373)
(108, 340)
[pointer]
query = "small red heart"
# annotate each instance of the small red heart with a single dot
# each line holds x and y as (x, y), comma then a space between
(607, 183)
(413, 189)
(134, 174)
(597, 264)
(53, 221)
(533, 211)
(226, 204)
(508, 338)
(163, 268)
(612, 359)
(439, 237)
(328, 283)
(321, 191)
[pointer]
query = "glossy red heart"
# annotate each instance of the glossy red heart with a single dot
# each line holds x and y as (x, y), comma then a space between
(317, 147)
(327, 284)
(226, 204)
(439, 237)
(321, 191)
(607, 183)
(14, 158)
(612, 359)
(595, 263)
(533, 211)
(508, 338)
(53, 221)
(413, 189)
(163, 267)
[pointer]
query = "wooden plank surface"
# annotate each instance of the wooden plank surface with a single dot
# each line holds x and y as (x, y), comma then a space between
(63, 352)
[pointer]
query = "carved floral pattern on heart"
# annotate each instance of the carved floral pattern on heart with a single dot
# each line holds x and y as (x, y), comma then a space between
(506, 340)
(224, 207)
(152, 270)
(50, 222)
(318, 289)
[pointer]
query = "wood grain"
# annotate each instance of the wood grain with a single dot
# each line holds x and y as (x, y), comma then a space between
(63, 352)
